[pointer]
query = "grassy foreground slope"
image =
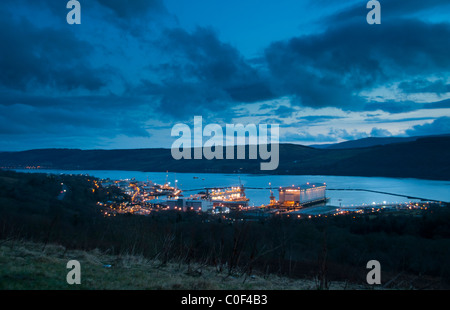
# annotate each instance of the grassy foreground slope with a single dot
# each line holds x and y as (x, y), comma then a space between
(176, 250)
(34, 266)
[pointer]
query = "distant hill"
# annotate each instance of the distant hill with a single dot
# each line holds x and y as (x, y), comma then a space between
(367, 142)
(364, 142)
(427, 158)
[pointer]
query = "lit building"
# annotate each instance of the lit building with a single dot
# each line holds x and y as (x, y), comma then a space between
(298, 196)
(231, 197)
(185, 204)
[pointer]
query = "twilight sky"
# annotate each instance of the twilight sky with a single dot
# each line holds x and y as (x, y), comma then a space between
(133, 69)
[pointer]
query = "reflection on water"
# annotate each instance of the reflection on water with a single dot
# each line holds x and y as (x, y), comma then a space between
(436, 190)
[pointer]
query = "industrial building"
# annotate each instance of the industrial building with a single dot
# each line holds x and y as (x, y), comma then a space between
(230, 197)
(300, 196)
(189, 204)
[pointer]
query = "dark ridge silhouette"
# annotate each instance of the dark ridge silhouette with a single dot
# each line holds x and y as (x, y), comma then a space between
(425, 158)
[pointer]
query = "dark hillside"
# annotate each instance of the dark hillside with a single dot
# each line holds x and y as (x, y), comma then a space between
(427, 158)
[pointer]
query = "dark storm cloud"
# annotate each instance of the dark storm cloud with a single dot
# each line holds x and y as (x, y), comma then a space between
(438, 126)
(138, 18)
(31, 56)
(277, 109)
(393, 106)
(402, 120)
(177, 99)
(107, 102)
(52, 83)
(20, 119)
(330, 68)
(284, 111)
(425, 86)
(391, 10)
(273, 121)
(134, 8)
(203, 73)
(313, 119)
(443, 104)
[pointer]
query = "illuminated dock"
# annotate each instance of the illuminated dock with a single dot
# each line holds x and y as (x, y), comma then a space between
(296, 197)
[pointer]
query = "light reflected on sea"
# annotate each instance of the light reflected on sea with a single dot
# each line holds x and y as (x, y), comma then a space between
(258, 186)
